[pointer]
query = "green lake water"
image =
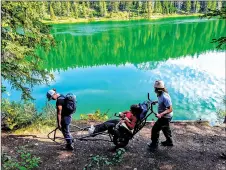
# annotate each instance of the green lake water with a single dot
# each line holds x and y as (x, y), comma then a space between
(111, 65)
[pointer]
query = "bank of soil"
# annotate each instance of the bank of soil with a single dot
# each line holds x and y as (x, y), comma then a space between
(197, 146)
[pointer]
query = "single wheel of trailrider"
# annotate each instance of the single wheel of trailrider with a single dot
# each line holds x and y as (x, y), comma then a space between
(120, 141)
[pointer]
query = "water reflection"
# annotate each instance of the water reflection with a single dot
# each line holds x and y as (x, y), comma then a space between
(111, 65)
(82, 45)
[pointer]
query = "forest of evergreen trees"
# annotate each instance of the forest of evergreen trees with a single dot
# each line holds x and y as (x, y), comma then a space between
(90, 9)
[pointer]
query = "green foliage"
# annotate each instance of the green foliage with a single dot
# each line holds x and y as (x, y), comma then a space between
(187, 6)
(115, 6)
(221, 13)
(52, 15)
(74, 8)
(118, 156)
(100, 161)
(97, 116)
(221, 113)
(150, 8)
(16, 115)
(47, 116)
(197, 6)
(102, 8)
(22, 32)
(158, 7)
(24, 161)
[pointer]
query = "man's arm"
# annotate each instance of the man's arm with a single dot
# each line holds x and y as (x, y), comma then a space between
(59, 110)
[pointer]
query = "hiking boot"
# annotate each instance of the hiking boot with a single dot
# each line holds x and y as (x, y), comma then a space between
(223, 155)
(69, 147)
(91, 130)
(152, 145)
(167, 143)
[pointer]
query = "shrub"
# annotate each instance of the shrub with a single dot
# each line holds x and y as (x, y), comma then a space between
(98, 161)
(97, 116)
(24, 161)
(221, 113)
(48, 115)
(16, 114)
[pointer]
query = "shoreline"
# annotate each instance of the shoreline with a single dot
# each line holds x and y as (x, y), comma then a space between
(102, 19)
(45, 129)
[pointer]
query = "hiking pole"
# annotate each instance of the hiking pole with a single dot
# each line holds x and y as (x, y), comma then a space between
(54, 136)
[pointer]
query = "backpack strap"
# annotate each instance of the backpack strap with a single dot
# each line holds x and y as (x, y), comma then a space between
(61, 97)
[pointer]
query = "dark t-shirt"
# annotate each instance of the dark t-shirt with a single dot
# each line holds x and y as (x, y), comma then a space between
(61, 102)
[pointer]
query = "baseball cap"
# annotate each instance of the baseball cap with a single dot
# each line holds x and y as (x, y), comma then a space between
(50, 93)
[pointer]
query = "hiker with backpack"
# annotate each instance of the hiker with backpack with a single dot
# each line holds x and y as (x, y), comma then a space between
(165, 114)
(65, 106)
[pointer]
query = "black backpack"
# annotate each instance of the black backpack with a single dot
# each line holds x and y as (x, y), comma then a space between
(70, 103)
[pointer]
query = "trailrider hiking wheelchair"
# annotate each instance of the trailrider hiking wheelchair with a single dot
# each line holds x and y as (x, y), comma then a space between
(120, 135)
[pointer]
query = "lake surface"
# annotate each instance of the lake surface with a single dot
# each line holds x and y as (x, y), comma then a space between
(111, 65)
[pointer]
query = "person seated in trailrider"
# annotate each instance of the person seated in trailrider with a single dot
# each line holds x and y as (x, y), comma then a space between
(127, 119)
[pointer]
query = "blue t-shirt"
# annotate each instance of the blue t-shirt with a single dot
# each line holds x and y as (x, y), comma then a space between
(164, 102)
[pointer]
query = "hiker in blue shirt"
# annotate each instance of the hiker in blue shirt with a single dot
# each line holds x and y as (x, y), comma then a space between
(164, 115)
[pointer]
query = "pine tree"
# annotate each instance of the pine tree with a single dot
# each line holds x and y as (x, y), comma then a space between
(165, 7)
(128, 5)
(150, 9)
(43, 10)
(115, 6)
(103, 8)
(209, 5)
(158, 7)
(219, 5)
(197, 6)
(187, 6)
(83, 10)
(52, 15)
(68, 5)
(214, 5)
(75, 9)
(138, 7)
(172, 9)
(144, 7)
(21, 66)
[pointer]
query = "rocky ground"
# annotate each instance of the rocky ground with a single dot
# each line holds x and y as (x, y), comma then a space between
(197, 146)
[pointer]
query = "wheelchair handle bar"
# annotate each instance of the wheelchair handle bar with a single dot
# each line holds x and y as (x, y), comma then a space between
(150, 103)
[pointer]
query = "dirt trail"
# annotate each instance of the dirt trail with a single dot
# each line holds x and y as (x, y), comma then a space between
(196, 147)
